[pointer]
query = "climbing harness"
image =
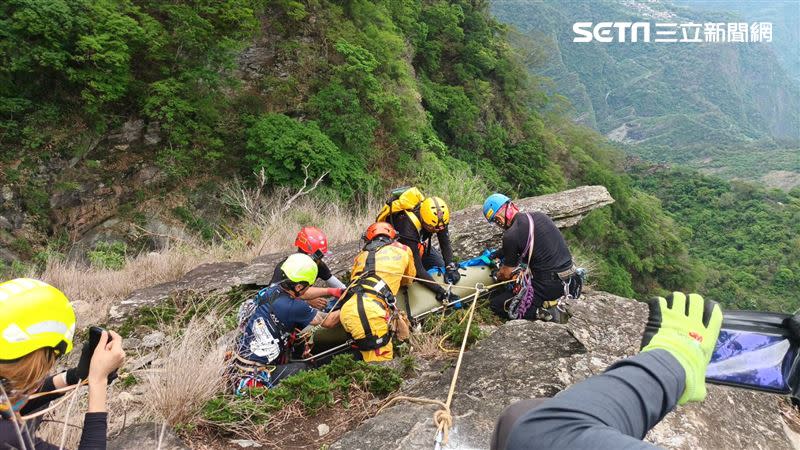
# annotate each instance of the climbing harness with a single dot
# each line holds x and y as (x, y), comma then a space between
(244, 374)
(519, 304)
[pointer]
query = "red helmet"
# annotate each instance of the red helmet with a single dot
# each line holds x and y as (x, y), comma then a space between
(380, 229)
(312, 242)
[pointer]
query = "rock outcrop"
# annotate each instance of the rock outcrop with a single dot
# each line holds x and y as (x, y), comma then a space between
(524, 359)
(469, 231)
(146, 435)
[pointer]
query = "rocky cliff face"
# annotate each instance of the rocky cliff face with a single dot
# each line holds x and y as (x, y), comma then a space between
(524, 359)
(518, 360)
(470, 235)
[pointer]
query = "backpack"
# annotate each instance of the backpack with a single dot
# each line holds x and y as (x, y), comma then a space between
(402, 199)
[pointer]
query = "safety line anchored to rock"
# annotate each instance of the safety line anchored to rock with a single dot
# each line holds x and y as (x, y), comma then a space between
(443, 418)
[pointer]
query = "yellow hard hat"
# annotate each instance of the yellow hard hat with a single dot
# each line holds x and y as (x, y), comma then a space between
(434, 213)
(34, 315)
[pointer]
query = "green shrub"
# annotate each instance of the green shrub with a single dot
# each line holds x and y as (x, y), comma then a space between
(451, 179)
(313, 389)
(108, 255)
(196, 224)
(283, 147)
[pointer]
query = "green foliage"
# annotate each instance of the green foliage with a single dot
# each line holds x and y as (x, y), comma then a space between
(285, 148)
(181, 309)
(312, 390)
(108, 255)
(196, 224)
(373, 93)
(100, 59)
(746, 237)
(734, 112)
(451, 179)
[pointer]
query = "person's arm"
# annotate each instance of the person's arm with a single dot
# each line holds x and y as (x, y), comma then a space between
(511, 253)
(331, 320)
(326, 320)
(335, 283)
(617, 409)
(315, 296)
(411, 270)
(444, 245)
(427, 279)
(50, 384)
(609, 411)
(107, 357)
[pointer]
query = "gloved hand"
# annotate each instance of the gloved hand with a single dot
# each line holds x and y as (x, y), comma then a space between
(335, 292)
(81, 371)
(451, 274)
(447, 297)
(689, 333)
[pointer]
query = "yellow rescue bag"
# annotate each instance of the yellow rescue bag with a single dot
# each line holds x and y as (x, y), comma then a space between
(402, 199)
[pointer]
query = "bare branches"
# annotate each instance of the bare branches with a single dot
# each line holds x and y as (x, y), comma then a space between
(303, 190)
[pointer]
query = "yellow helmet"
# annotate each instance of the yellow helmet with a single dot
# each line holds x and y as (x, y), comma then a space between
(434, 213)
(34, 315)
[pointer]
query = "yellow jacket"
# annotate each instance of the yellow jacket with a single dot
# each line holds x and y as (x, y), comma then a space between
(392, 261)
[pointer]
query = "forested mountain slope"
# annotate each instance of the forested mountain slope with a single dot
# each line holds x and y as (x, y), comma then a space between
(747, 239)
(376, 94)
(728, 108)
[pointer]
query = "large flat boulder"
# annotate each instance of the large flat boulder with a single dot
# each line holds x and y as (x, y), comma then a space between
(533, 359)
(470, 235)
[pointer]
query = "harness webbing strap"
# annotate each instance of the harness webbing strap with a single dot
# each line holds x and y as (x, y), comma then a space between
(369, 265)
(362, 316)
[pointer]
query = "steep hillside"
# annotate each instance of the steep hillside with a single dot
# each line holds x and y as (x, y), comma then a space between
(783, 14)
(146, 102)
(745, 237)
(729, 108)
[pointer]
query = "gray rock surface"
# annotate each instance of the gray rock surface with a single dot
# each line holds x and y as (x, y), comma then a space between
(533, 359)
(146, 435)
(469, 231)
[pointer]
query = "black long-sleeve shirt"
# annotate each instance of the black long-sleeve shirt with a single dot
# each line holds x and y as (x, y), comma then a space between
(408, 234)
(614, 410)
(95, 426)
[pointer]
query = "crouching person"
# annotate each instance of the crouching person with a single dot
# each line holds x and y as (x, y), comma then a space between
(379, 270)
(269, 323)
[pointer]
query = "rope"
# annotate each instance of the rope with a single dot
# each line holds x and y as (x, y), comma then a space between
(443, 418)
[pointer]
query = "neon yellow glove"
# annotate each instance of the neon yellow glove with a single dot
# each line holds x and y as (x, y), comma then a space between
(687, 328)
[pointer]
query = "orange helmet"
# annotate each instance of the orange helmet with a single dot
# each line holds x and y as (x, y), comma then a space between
(380, 229)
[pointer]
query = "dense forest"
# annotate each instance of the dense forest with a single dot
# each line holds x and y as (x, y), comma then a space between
(746, 239)
(375, 94)
(366, 91)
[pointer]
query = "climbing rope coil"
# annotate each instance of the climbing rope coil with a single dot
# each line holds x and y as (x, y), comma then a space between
(443, 418)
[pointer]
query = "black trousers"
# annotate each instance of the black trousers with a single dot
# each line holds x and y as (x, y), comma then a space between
(432, 258)
(508, 418)
(542, 291)
(285, 370)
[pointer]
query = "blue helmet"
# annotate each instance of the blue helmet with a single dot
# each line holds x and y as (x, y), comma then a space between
(492, 204)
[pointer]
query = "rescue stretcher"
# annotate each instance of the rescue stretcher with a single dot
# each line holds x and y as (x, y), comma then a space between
(416, 300)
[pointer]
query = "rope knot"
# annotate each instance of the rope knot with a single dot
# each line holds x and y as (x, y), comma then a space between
(443, 421)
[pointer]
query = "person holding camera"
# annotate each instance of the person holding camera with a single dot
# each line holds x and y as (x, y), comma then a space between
(37, 326)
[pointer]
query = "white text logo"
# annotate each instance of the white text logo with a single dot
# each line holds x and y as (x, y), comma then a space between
(717, 32)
